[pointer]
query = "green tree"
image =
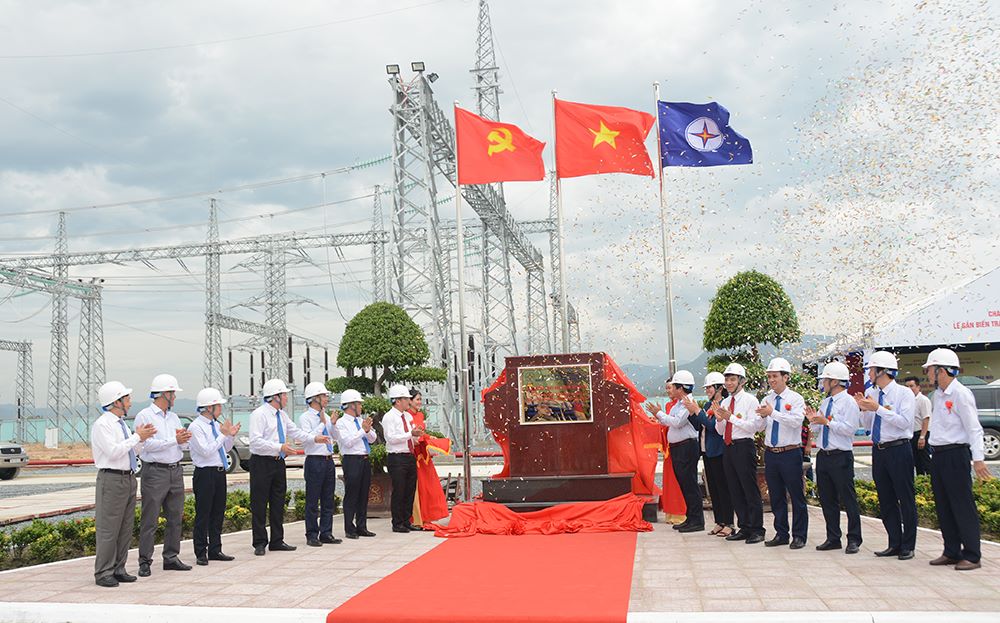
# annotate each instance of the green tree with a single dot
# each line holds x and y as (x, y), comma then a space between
(749, 310)
(382, 343)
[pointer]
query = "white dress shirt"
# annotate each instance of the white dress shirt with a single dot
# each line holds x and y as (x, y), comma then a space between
(162, 447)
(680, 428)
(398, 437)
(845, 419)
(923, 408)
(746, 423)
(110, 445)
(960, 423)
(264, 431)
(788, 417)
(352, 436)
(317, 424)
(205, 444)
(896, 412)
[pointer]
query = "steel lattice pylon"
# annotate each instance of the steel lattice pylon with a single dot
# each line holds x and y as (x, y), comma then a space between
(378, 250)
(90, 364)
(213, 373)
(24, 386)
(59, 375)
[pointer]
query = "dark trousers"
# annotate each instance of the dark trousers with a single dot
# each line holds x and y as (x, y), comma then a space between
(403, 472)
(209, 484)
(267, 499)
(740, 462)
(783, 473)
(357, 481)
(956, 508)
(718, 490)
(684, 459)
(321, 483)
(835, 481)
(921, 457)
(892, 470)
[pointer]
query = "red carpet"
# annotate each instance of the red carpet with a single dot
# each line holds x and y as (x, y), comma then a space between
(562, 577)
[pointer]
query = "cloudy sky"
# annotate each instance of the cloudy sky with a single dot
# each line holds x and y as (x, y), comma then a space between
(874, 129)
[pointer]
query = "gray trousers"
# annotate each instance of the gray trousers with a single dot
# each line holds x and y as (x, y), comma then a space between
(114, 516)
(161, 487)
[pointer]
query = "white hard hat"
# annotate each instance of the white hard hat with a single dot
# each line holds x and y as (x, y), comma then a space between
(779, 364)
(883, 359)
(735, 368)
(208, 397)
(837, 371)
(315, 389)
(714, 378)
(112, 391)
(349, 396)
(273, 388)
(682, 377)
(944, 357)
(398, 391)
(164, 383)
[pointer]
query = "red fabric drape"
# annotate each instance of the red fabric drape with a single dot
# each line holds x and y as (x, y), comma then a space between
(623, 513)
(429, 504)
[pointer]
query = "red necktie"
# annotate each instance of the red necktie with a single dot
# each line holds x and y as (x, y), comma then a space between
(729, 424)
(406, 429)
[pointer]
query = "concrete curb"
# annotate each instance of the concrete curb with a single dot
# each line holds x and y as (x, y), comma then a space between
(20, 612)
(813, 617)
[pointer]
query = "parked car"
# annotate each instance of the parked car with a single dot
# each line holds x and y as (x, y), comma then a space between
(12, 459)
(239, 455)
(988, 403)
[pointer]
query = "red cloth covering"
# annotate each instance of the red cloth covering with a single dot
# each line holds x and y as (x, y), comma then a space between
(500, 438)
(429, 503)
(671, 499)
(621, 514)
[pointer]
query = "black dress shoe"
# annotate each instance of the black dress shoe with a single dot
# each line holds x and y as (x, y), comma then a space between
(329, 538)
(281, 547)
(365, 533)
(797, 544)
(413, 528)
(678, 526)
(144, 571)
(221, 556)
(107, 581)
(757, 538)
(826, 546)
(401, 529)
(889, 551)
(739, 535)
(852, 548)
(201, 561)
(692, 528)
(905, 554)
(175, 565)
(260, 550)
(125, 577)
(351, 535)
(776, 541)
(313, 543)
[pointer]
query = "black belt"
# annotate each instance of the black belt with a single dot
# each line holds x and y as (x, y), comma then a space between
(325, 457)
(355, 456)
(834, 452)
(681, 443)
(736, 441)
(211, 468)
(949, 446)
(891, 444)
(163, 465)
(120, 472)
(267, 456)
(402, 453)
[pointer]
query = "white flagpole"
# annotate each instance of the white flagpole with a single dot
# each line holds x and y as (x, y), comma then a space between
(463, 345)
(563, 298)
(665, 234)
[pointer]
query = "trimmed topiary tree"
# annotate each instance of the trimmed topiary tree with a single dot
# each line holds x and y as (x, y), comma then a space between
(749, 310)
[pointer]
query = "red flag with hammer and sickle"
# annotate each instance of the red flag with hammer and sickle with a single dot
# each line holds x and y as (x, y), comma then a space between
(490, 151)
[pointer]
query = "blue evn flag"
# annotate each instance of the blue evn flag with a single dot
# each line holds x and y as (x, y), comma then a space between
(698, 135)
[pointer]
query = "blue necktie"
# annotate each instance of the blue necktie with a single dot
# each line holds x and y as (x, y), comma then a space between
(826, 428)
(131, 452)
(877, 427)
(281, 433)
(326, 431)
(774, 423)
(368, 446)
(222, 454)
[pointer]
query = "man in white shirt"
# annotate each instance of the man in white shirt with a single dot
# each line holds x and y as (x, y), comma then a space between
(684, 450)
(921, 424)
(958, 440)
(400, 438)
(783, 410)
(887, 411)
(114, 447)
(356, 439)
(834, 424)
(210, 444)
(271, 435)
(319, 471)
(737, 421)
(162, 480)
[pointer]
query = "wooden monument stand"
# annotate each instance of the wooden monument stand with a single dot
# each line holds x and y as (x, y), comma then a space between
(558, 442)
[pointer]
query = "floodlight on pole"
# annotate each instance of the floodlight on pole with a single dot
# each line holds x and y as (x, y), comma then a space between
(392, 70)
(417, 66)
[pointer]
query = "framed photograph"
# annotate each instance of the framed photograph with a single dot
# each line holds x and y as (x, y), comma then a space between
(555, 394)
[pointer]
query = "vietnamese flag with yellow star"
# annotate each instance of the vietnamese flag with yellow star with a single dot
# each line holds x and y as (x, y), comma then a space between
(601, 139)
(490, 151)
